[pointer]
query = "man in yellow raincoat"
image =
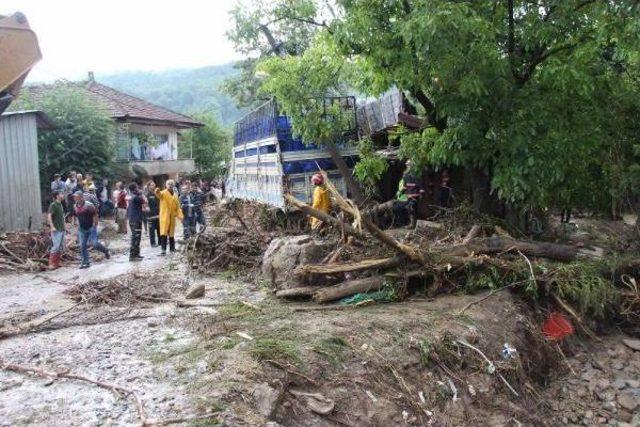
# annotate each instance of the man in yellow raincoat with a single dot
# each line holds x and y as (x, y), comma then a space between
(169, 211)
(321, 200)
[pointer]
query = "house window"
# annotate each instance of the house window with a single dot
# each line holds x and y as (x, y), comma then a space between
(150, 146)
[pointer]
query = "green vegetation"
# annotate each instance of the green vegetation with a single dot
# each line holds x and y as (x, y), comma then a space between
(274, 349)
(332, 348)
(83, 138)
(539, 100)
(211, 146)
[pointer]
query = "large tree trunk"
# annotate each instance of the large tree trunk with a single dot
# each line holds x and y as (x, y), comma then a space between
(348, 288)
(352, 184)
(495, 245)
(308, 210)
(481, 198)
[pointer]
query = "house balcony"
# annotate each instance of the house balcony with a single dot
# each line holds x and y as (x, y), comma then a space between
(161, 167)
(169, 157)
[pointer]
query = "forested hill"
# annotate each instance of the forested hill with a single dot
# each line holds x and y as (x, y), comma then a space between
(183, 90)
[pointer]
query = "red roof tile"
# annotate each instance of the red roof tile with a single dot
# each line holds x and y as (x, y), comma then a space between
(122, 106)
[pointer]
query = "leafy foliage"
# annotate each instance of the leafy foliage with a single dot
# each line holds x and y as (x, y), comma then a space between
(269, 29)
(211, 146)
(82, 139)
(372, 166)
(542, 97)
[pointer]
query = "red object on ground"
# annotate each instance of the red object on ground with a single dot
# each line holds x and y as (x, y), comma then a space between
(557, 327)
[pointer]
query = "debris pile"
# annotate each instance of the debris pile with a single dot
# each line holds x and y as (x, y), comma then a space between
(440, 258)
(123, 290)
(219, 249)
(26, 251)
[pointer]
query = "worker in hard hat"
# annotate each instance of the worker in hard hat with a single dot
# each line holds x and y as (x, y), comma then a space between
(321, 200)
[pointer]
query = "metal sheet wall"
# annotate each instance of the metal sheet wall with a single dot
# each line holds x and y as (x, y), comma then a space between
(19, 173)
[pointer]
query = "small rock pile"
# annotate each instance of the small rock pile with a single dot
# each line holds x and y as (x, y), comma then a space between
(605, 389)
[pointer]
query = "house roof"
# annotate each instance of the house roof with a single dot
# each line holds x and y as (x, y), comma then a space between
(122, 106)
(42, 120)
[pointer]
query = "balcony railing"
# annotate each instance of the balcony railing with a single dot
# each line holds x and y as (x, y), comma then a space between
(137, 147)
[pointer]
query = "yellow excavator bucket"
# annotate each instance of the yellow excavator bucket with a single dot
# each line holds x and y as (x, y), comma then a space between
(19, 52)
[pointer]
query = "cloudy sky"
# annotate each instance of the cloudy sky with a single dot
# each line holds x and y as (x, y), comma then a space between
(115, 35)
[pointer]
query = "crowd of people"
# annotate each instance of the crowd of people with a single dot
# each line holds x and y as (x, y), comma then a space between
(134, 208)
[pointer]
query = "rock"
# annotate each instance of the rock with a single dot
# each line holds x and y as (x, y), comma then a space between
(603, 384)
(633, 383)
(285, 254)
(618, 365)
(589, 374)
(266, 398)
(632, 343)
(317, 402)
(625, 416)
(628, 401)
(195, 291)
(619, 384)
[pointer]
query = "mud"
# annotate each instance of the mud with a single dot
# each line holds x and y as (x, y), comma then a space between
(249, 357)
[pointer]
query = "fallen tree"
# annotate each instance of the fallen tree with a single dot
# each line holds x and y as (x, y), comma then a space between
(348, 288)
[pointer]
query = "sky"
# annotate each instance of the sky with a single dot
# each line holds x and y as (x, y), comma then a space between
(106, 36)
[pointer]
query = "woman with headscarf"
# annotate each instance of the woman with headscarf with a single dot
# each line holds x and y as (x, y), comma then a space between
(169, 211)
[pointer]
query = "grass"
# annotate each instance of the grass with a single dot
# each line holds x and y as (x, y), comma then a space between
(235, 309)
(275, 349)
(332, 348)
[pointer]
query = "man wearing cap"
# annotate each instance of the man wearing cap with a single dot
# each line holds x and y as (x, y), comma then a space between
(87, 215)
(320, 199)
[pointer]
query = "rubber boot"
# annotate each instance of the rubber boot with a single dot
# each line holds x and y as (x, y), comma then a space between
(172, 244)
(58, 260)
(163, 245)
(52, 261)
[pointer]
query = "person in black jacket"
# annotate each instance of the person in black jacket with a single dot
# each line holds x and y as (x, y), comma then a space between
(135, 214)
(153, 214)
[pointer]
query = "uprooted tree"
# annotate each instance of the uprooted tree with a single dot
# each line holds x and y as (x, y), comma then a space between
(538, 101)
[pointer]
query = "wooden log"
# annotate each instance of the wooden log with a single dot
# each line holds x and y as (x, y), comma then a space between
(348, 288)
(472, 234)
(367, 264)
(303, 291)
(308, 210)
(413, 253)
(494, 245)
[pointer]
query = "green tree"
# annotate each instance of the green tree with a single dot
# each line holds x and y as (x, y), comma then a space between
(83, 138)
(308, 89)
(267, 29)
(211, 146)
(528, 97)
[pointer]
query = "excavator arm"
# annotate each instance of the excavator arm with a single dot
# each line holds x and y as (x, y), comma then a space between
(19, 52)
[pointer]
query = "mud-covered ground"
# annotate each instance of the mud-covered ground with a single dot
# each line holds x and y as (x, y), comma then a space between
(253, 360)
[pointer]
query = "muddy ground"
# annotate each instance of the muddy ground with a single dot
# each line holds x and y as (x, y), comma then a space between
(249, 359)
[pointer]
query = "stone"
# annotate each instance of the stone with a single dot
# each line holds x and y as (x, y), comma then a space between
(266, 399)
(618, 365)
(632, 343)
(625, 416)
(589, 375)
(619, 384)
(628, 401)
(195, 291)
(633, 383)
(603, 384)
(285, 254)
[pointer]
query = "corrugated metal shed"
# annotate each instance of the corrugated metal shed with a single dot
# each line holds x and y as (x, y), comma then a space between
(19, 174)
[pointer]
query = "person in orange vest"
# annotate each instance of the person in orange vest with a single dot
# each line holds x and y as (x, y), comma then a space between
(320, 201)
